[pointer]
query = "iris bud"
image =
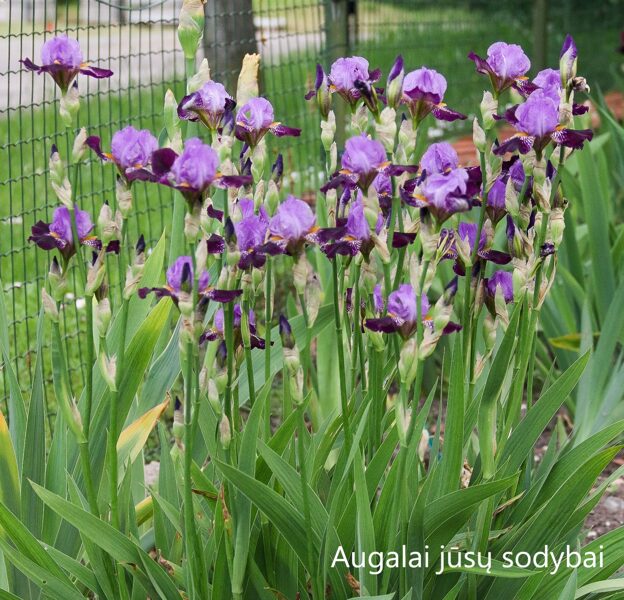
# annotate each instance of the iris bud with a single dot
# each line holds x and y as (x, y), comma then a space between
(172, 122)
(95, 275)
(328, 130)
(79, 148)
(489, 332)
(124, 197)
(200, 78)
(225, 432)
(478, 136)
(103, 316)
(69, 106)
(408, 362)
(58, 179)
(108, 369)
(489, 107)
(248, 86)
(178, 420)
(57, 280)
(394, 86)
(49, 306)
(271, 198)
(386, 128)
(557, 226)
(191, 27)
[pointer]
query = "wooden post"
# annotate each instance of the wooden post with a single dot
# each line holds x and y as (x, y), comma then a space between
(337, 45)
(229, 34)
(540, 34)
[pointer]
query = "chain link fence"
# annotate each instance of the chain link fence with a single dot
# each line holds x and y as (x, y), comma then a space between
(137, 39)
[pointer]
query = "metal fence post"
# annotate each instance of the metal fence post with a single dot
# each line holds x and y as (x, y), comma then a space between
(337, 44)
(540, 34)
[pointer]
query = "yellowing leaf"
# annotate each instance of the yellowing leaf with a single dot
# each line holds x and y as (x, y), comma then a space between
(133, 437)
(9, 481)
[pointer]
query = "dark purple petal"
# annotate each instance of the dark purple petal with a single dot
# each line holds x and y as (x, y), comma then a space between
(400, 239)
(443, 113)
(214, 213)
(162, 160)
(215, 244)
(95, 143)
(520, 142)
(572, 138)
(495, 256)
(223, 296)
(451, 327)
(235, 181)
(279, 130)
(96, 72)
(579, 109)
(383, 325)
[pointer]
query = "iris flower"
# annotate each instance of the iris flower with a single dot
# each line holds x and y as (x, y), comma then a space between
(131, 152)
(402, 313)
(256, 118)
(537, 124)
(62, 58)
(505, 65)
(423, 93)
(210, 104)
(180, 283)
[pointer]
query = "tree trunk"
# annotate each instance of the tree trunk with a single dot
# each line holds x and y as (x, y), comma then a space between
(229, 34)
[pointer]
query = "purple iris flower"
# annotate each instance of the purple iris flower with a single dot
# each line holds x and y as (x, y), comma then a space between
(502, 280)
(321, 91)
(61, 57)
(378, 301)
(180, 281)
(567, 60)
(496, 200)
(439, 158)
(251, 233)
(58, 234)
(423, 93)
(192, 172)
(217, 331)
(537, 123)
(441, 194)
(256, 118)
(506, 64)
(292, 222)
(209, 104)
(362, 161)
(351, 78)
(402, 312)
(350, 236)
(548, 80)
(467, 234)
(131, 151)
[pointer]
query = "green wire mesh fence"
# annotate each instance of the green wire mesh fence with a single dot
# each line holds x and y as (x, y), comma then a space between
(137, 39)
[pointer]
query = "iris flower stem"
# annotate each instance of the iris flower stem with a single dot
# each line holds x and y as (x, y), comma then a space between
(419, 339)
(247, 351)
(305, 493)
(309, 371)
(189, 520)
(357, 331)
(467, 321)
(85, 460)
(267, 320)
(341, 361)
(229, 346)
(113, 432)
